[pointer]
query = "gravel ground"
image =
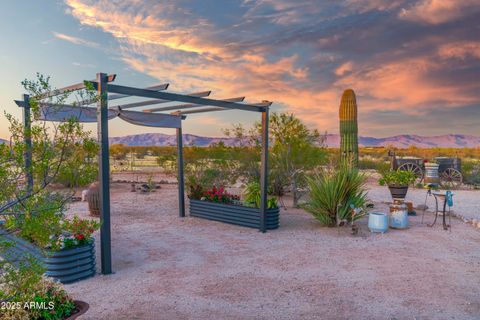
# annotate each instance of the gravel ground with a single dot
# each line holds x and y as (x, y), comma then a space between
(168, 267)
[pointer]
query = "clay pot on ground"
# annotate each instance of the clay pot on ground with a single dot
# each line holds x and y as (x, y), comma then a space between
(93, 199)
(80, 308)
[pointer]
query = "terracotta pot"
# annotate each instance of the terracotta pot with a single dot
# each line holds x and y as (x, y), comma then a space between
(80, 308)
(93, 199)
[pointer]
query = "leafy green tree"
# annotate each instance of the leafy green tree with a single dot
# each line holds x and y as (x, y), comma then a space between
(294, 150)
(58, 150)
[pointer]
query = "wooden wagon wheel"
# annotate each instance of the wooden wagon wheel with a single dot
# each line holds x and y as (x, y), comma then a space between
(413, 168)
(451, 178)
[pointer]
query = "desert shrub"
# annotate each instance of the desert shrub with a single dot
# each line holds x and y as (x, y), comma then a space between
(79, 167)
(370, 163)
(471, 172)
(294, 151)
(34, 212)
(25, 284)
(333, 195)
(252, 196)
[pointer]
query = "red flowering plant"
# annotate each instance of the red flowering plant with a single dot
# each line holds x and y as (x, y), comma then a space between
(219, 195)
(78, 232)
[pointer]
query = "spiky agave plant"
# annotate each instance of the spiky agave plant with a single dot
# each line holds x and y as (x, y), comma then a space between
(348, 129)
(333, 193)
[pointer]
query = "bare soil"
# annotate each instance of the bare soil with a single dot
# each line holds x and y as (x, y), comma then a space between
(168, 267)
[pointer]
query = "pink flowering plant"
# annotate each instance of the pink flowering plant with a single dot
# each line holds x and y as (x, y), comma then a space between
(220, 195)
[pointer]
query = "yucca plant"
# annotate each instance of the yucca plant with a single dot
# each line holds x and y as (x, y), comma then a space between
(334, 194)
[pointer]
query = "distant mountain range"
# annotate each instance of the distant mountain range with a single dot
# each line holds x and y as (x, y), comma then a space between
(333, 140)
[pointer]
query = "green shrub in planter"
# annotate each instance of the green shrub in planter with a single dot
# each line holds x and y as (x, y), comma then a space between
(252, 195)
(398, 178)
(398, 182)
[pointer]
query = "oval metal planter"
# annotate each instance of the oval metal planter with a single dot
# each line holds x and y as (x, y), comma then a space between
(66, 266)
(233, 214)
(70, 265)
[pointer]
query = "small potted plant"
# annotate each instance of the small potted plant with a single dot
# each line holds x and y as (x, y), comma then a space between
(397, 182)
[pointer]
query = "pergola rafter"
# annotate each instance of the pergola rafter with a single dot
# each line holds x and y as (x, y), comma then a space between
(160, 101)
(190, 105)
(196, 103)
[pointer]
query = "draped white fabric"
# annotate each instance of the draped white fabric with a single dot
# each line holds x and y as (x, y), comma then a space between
(62, 113)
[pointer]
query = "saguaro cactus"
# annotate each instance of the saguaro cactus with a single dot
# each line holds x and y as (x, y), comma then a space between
(348, 128)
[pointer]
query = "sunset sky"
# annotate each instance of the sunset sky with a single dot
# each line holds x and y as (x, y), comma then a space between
(414, 65)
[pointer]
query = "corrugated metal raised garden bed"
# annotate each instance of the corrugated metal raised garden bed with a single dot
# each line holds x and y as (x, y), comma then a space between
(233, 214)
(66, 265)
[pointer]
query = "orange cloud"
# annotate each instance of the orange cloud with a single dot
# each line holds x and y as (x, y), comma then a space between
(439, 11)
(460, 50)
(190, 53)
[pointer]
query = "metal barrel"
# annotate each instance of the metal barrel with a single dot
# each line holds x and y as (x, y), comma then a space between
(431, 173)
(445, 163)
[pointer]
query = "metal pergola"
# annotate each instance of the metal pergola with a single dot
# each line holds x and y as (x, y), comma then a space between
(195, 102)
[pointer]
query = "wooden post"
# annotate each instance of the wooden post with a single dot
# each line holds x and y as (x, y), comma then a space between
(180, 178)
(264, 172)
(104, 174)
(27, 138)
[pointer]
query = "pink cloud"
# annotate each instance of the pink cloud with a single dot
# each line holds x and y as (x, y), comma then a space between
(186, 51)
(439, 11)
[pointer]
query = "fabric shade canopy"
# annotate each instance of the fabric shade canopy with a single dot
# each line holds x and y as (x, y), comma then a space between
(62, 113)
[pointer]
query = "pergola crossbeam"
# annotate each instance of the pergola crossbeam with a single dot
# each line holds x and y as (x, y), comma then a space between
(73, 87)
(159, 87)
(182, 98)
(264, 104)
(160, 101)
(212, 109)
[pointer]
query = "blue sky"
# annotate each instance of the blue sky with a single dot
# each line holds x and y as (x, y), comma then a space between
(414, 64)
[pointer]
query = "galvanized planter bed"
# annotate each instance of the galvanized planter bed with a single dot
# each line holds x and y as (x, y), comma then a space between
(66, 265)
(233, 214)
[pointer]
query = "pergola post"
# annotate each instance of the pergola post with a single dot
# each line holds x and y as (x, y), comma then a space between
(27, 138)
(104, 174)
(264, 172)
(180, 178)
